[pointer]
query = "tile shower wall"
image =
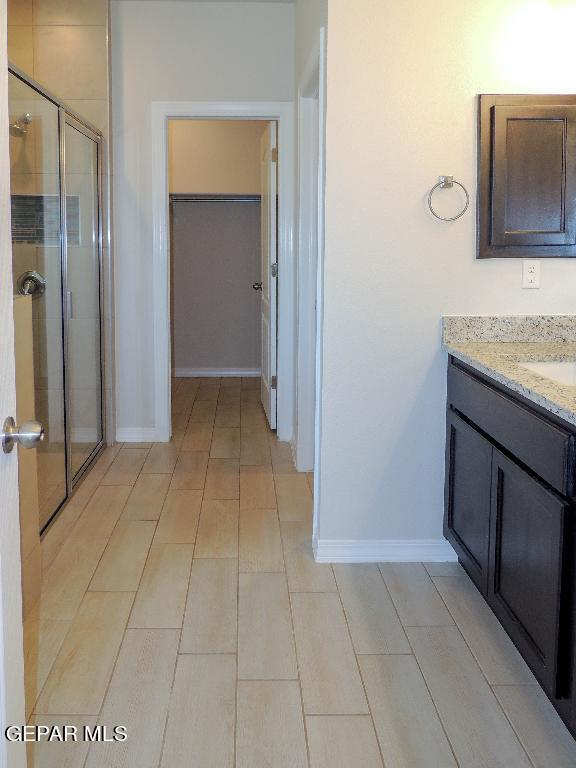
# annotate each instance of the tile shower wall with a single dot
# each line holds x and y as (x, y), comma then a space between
(63, 45)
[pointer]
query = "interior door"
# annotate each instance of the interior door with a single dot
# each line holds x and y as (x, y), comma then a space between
(269, 232)
(11, 654)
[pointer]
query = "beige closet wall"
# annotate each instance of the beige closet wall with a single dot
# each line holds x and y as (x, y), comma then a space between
(215, 156)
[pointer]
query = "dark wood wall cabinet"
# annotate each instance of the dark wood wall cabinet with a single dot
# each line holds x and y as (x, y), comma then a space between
(527, 176)
(510, 503)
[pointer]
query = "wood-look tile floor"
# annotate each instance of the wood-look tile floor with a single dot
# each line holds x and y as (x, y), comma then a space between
(185, 604)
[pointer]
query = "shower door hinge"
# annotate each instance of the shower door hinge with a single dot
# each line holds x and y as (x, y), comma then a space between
(274, 383)
(274, 269)
(274, 155)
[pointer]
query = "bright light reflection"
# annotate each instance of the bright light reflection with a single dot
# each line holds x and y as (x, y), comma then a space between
(536, 45)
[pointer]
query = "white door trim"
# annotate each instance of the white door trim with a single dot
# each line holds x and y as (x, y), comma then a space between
(283, 113)
(311, 139)
(311, 256)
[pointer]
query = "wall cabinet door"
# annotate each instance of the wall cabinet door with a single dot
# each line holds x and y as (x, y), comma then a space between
(468, 478)
(526, 560)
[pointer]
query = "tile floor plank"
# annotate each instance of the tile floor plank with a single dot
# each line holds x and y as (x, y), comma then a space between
(218, 529)
(331, 683)
(178, 522)
(67, 579)
(210, 620)
(198, 437)
(222, 479)
(342, 742)
(203, 411)
(201, 718)
(257, 488)
(125, 468)
(225, 443)
(294, 497)
(479, 734)
(260, 543)
(190, 471)
(281, 454)
(161, 459)
(138, 698)
(270, 727)
(398, 700)
(43, 639)
(227, 415)
(55, 754)
(372, 619)
(538, 726)
(123, 560)
(414, 595)
(147, 497)
(304, 574)
(79, 678)
(495, 653)
(101, 513)
(255, 447)
(161, 597)
(265, 636)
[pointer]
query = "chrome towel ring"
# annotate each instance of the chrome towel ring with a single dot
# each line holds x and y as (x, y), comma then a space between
(447, 182)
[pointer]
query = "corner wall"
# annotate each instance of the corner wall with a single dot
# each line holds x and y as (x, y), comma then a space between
(401, 110)
(201, 52)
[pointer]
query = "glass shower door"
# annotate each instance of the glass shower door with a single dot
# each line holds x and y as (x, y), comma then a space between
(83, 290)
(37, 274)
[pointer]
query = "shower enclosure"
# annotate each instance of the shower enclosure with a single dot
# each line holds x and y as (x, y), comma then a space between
(55, 171)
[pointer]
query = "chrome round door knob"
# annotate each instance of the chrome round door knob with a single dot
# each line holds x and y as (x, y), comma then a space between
(257, 286)
(28, 435)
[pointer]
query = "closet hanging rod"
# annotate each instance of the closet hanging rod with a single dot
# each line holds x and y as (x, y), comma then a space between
(183, 198)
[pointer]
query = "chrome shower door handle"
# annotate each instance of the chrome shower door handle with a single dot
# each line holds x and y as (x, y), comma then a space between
(28, 435)
(31, 283)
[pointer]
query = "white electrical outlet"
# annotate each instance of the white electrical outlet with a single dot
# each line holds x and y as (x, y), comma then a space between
(530, 273)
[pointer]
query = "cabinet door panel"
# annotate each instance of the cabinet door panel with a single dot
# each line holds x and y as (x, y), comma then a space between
(467, 497)
(526, 561)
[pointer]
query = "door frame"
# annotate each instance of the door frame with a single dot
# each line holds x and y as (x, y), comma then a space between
(283, 113)
(311, 206)
(311, 154)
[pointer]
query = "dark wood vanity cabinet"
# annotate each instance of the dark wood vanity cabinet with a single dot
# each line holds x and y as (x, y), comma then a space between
(513, 530)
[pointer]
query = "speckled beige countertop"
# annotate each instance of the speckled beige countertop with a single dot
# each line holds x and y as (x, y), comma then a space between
(497, 346)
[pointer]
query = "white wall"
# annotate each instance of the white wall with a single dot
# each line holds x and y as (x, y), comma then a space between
(174, 51)
(402, 82)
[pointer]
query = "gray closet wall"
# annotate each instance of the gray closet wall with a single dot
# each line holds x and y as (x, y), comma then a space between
(215, 261)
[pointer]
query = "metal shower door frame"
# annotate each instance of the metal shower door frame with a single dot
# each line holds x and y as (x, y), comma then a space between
(67, 116)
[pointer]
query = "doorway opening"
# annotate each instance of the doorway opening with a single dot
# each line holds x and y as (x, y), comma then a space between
(277, 313)
(222, 182)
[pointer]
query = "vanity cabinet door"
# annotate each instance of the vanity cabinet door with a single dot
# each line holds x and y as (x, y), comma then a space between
(467, 497)
(527, 538)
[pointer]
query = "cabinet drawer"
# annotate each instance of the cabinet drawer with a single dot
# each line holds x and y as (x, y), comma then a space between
(526, 588)
(546, 448)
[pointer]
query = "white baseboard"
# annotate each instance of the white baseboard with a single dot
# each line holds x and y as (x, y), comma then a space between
(190, 373)
(136, 435)
(383, 551)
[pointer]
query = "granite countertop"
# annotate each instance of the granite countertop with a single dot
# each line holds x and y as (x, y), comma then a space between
(497, 347)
